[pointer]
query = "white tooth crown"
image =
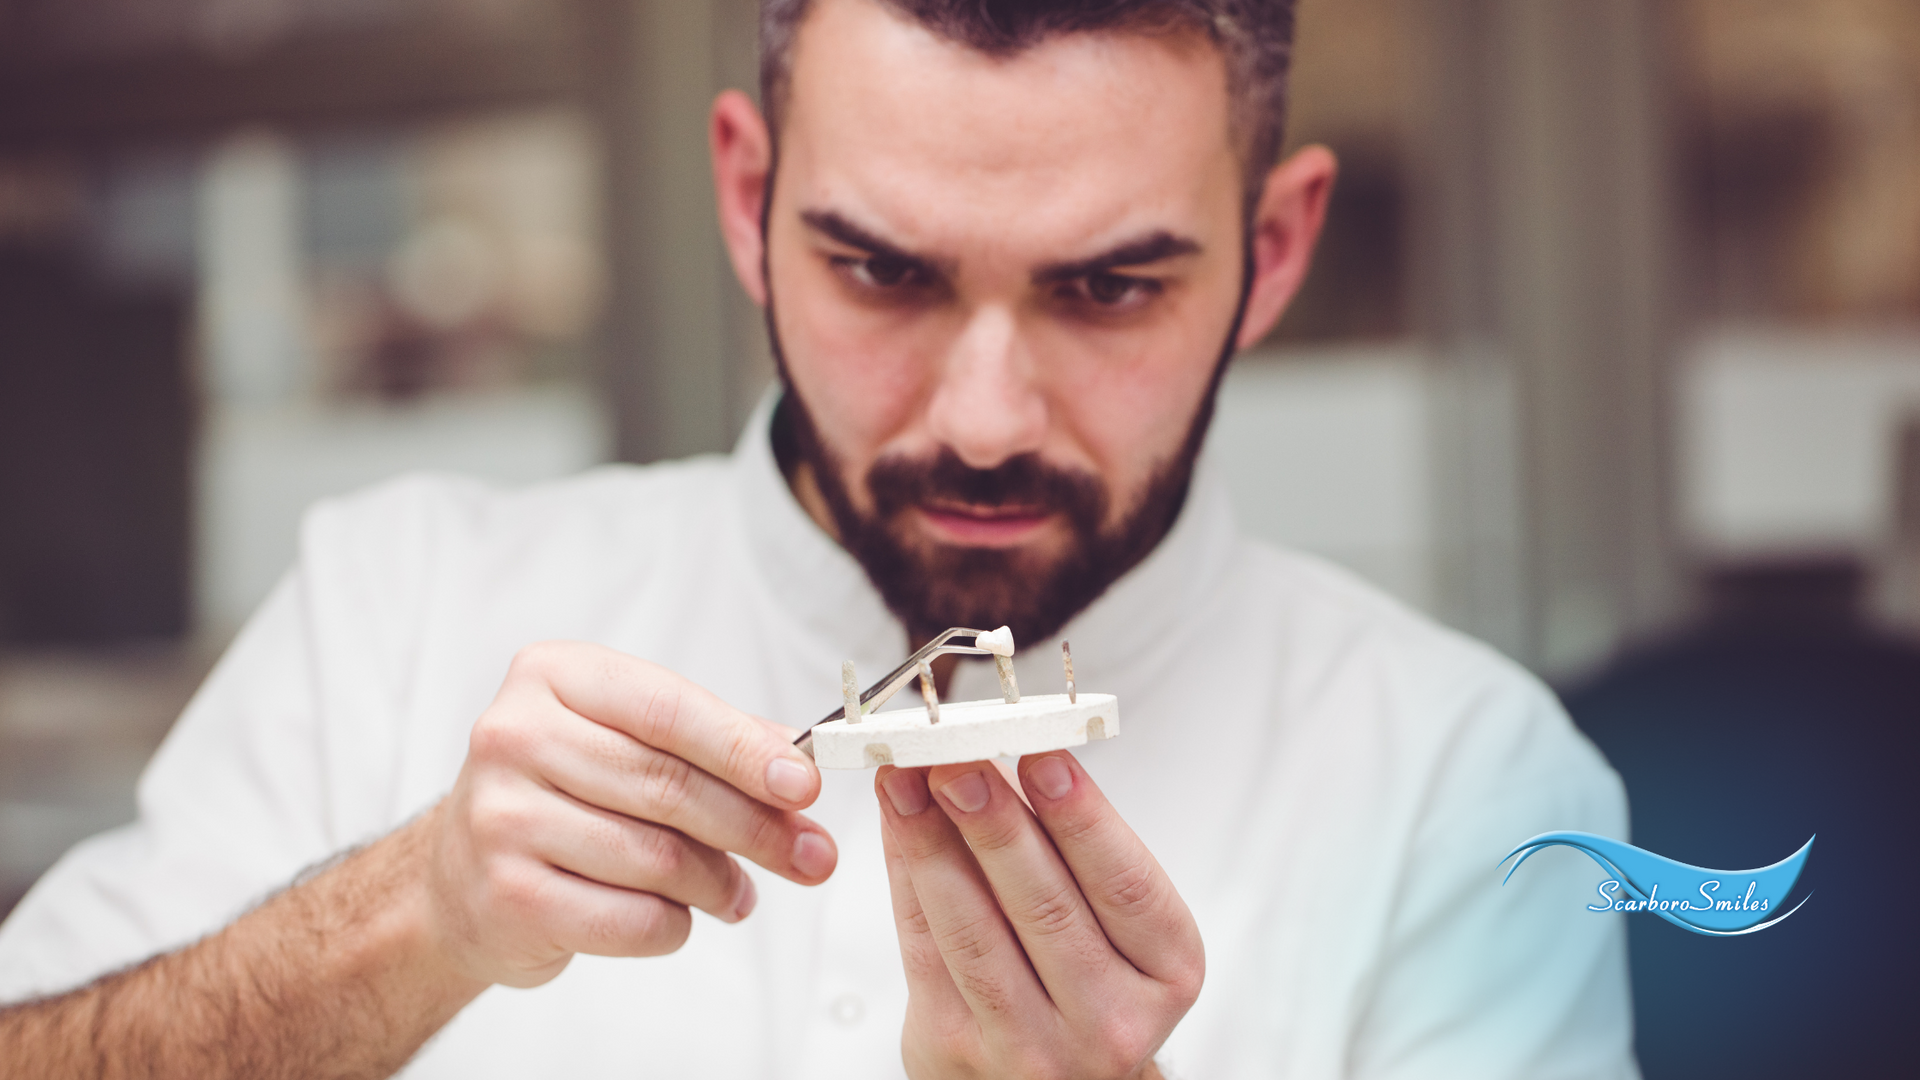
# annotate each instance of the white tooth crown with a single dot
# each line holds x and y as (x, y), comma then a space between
(998, 642)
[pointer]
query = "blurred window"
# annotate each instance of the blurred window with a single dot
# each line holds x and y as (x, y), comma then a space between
(1806, 157)
(1349, 93)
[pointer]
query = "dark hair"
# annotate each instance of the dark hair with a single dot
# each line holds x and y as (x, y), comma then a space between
(1255, 37)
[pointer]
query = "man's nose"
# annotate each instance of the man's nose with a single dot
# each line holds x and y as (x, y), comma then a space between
(987, 405)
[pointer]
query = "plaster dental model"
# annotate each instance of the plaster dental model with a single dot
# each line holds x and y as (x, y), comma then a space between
(854, 736)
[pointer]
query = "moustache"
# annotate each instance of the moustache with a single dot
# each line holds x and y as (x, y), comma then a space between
(1024, 480)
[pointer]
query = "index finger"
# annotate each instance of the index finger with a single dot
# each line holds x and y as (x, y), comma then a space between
(673, 714)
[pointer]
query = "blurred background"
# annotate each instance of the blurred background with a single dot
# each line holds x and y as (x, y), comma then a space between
(1611, 356)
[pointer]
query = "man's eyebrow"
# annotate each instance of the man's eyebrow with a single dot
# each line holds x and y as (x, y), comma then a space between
(836, 227)
(1148, 249)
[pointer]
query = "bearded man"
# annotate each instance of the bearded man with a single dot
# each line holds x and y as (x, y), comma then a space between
(1005, 251)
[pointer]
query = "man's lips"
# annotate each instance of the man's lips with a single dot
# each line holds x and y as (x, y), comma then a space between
(984, 526)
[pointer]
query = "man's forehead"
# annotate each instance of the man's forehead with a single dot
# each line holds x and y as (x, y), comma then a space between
(1088, 137)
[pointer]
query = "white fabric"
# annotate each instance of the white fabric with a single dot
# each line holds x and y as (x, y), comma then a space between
(1329, 778)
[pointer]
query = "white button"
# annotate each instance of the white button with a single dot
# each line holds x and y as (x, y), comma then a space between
(848, 1009)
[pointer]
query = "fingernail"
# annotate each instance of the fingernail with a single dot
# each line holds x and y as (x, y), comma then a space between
(968, 791)
(812, 855)
(744, 897)
(1051, 777)
(788, 779)
(907, 789)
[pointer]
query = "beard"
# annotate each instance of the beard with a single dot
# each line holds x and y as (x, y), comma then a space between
(930, 586)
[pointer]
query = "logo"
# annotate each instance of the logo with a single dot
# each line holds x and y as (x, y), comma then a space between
(1720, 903)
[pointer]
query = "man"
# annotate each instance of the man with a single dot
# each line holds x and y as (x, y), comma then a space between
(1005, 250)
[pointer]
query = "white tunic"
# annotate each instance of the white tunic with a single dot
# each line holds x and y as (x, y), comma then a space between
(1329, 778)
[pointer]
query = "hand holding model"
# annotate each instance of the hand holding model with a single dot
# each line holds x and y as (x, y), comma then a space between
(1037, 942)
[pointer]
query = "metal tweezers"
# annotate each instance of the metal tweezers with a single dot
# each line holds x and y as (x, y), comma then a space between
(879, 693)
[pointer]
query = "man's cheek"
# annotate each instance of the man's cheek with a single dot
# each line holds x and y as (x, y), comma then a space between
(877, 417)
(859, 391)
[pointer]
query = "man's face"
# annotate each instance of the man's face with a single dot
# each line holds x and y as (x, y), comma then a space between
(1000, 289)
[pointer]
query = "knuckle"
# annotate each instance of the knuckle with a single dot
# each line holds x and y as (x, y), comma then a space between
(969, 942)
(740, 753)
(922, 967)
(915, 922)
(968, 949)
(498, 822)
(517, 890)
(498, 737)
(661, 713)
(537, 660)
(1133, 889)
(1052, 912)
(952, 1046)
(1122, 1045)
(767, 833)
(988, 994)
(1184, 979)
(664, 851)
(1120, 1052)
(949, 1038)
(667, 784)
(1075, 828)
(919, 842)
(997, 832)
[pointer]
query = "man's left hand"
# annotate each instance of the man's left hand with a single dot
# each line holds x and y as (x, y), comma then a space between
(1042, 942)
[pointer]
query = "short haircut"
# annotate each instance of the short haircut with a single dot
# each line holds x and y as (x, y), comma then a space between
(1254, 36)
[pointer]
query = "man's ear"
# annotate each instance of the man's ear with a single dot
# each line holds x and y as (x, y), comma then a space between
(1286, 225)
(742, 152)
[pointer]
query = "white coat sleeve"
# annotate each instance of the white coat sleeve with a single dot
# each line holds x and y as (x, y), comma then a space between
(229, 811)
(290, 753)
(1491, 981)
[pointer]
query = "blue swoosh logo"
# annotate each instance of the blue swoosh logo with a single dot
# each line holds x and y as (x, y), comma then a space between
(1719, 903)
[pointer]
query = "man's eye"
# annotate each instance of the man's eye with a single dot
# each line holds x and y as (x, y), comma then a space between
(881, 271)
(1116, 290)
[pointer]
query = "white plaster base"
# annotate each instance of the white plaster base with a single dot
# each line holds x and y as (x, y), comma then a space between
(967, 731)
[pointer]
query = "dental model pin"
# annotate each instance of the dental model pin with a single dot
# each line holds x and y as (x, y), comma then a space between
(854, 736)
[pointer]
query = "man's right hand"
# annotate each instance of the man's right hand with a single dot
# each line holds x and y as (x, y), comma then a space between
(598, 800)
(596, 806)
